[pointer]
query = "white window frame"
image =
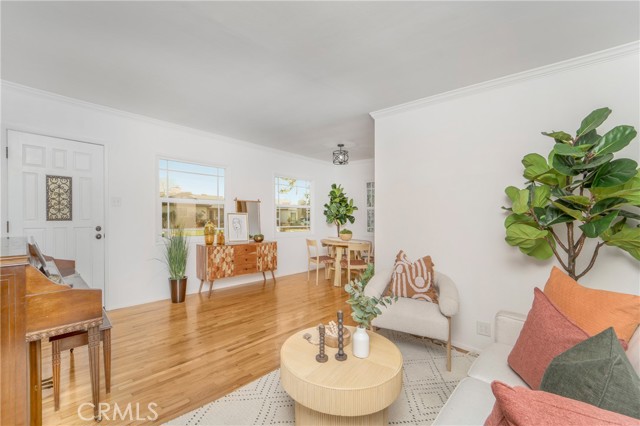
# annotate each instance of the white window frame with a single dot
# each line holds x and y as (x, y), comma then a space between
(161, 200)
(371, 207)
(309, 207)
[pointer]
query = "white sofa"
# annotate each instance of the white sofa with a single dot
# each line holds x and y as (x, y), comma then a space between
(472, 400)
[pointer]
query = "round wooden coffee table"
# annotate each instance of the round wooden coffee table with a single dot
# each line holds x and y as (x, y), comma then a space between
(352, 392)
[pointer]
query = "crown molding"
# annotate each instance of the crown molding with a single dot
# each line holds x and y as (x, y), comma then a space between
(628, 49)
(6, 84)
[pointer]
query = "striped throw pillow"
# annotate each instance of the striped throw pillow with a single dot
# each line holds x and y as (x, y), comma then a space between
(414, 279)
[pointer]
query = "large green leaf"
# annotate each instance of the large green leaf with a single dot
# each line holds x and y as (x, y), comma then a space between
(590, 139)
(607, 204)
(559, 136)
(576, 214)
(615, 139)
(596, 227)
(595, 162)
(521, 203)
(564, 165)
(630, 190)
(540, 195)
(628, 214)
(569, 150)
(580, 200)
(530, 240)
(536, 168)
(615, 173)
(512, 193)
(592, 121)
(628, 239)
(518, 218)
(553, 215)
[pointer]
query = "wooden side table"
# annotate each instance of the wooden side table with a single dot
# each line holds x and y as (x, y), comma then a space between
(352, 392)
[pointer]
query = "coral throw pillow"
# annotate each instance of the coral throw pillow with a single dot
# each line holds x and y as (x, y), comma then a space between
(413, 279)
(546, 334)
(522, 406)
(594, 310)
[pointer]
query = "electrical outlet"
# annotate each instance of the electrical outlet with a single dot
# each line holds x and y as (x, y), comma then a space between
(483, 328)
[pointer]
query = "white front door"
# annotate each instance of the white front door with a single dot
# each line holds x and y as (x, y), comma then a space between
(56, 196)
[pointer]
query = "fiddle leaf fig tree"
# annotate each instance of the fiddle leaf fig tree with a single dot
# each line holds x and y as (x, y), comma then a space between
(578, 189)
(339, 209)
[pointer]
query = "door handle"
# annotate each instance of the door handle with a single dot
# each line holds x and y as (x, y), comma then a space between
(98, 236)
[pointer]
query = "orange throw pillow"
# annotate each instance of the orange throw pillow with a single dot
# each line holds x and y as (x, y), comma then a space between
(414, 280)
(594, 310)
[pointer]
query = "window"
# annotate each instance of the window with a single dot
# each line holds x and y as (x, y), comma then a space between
(371, 201)
(293, 205)
(190, 195)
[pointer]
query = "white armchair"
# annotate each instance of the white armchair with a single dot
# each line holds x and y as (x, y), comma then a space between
(415, 316)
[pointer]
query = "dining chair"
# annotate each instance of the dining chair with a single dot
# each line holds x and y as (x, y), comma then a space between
(314, 256)
(357, 258)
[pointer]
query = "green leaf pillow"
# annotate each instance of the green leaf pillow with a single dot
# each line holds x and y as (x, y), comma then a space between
(598, 372)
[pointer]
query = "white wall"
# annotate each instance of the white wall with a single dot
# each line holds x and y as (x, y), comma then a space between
(441, 166)
(132, 144)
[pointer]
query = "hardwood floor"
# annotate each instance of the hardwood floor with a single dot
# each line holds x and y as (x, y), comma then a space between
(182, 356)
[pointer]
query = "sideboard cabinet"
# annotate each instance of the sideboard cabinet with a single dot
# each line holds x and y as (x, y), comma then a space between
(231, 260)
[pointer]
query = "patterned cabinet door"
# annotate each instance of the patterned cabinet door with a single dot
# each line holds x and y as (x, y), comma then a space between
(219, 262)
(268, 256)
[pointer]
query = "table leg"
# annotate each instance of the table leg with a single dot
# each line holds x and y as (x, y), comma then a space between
(35, 385)
(94, 369)
(337, 277)
(55, 355)
(106, 349)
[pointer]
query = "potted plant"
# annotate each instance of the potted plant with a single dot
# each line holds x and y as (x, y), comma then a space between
(176, 253)
(339, 209)
(579, 185)
(345, 234)
(364, 309)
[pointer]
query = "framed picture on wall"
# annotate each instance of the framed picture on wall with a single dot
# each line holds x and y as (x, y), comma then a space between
(238, 229)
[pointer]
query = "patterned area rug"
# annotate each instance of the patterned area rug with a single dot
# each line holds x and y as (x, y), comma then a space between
(426, 386)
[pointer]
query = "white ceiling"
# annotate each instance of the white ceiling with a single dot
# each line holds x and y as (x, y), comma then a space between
(296, 76)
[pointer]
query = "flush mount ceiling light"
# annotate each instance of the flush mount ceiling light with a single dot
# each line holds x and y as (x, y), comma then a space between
(340, 156)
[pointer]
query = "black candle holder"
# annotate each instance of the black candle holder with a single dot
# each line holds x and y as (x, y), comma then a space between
(321, 357)
(340, 356)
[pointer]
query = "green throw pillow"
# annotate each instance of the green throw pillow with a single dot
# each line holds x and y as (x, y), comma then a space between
(598, 372)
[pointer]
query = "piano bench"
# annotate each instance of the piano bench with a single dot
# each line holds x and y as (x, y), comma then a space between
(69, 341)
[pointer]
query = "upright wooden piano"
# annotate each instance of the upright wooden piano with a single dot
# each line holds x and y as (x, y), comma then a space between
(33, 307)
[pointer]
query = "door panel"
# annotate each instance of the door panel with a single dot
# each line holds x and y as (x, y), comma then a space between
(31, 159)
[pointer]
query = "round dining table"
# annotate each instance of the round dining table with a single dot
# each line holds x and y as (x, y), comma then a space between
(340, 246)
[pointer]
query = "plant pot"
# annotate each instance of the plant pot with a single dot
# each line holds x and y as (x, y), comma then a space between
(178, 290)
(346, 237)
(360, 341)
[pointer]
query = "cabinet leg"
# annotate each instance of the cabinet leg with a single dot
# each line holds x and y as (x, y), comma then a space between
(94, 369)
(273, 276)
(264, 278)
(210, 287)
(106, 349)
(201, 283)
(55, 357)
(35, 385)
